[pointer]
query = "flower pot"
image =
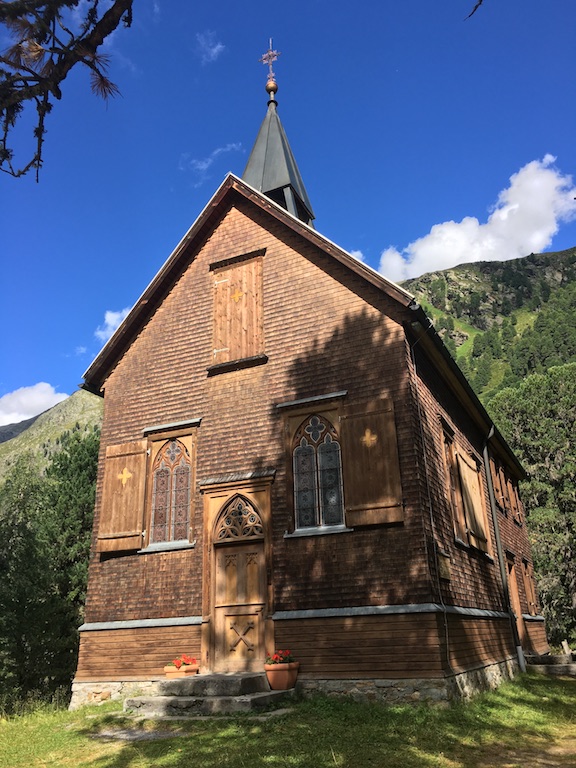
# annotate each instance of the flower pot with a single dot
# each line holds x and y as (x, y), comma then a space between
(281, 677)
(171, 671)
(189, 669)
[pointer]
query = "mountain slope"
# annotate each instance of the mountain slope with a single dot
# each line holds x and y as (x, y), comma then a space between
(505, 320)
(484, 292)
(81, 411)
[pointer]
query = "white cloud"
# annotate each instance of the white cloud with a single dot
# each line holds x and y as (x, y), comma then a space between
(79, 351)
(26, 402)
(358, 255)
(525, 218)
(111, 321)
(207, 47)
(200, 167)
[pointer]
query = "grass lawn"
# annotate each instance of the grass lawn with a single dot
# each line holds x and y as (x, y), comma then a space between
(528, 723)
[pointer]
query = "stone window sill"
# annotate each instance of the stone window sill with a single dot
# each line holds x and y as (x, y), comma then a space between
(167, 546)
(320, 530)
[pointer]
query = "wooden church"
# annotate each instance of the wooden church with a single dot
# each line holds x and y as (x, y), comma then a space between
(290, 458)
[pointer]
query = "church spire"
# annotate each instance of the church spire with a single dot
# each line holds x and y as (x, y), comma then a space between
(271, 167)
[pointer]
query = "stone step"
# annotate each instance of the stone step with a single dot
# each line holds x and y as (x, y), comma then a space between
(550, 658)
(568, 670)
(214, 685)
(190, 706)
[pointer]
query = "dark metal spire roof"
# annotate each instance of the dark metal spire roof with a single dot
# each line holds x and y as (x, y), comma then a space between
(271, 167)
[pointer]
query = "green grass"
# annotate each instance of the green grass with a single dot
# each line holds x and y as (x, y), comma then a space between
(521, 724)
(524, 319)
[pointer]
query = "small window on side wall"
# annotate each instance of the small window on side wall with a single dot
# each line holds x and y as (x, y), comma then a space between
(465, 494)
(317, 470)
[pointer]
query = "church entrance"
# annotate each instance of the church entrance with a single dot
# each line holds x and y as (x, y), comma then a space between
(239, 588)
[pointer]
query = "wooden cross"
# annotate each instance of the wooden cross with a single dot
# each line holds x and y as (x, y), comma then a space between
(369, 439)
(125, 475)
(241, 635)
(237, 295)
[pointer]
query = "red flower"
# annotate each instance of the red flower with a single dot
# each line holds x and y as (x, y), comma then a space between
(280, 657)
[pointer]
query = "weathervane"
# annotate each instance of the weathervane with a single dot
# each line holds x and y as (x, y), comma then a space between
(267, 59)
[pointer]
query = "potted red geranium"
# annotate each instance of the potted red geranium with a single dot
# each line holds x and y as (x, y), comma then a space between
(182, 666)
(281, 670)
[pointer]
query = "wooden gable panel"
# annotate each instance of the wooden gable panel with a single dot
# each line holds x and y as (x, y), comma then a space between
(123, 497)
(372, 486)
(238, 330)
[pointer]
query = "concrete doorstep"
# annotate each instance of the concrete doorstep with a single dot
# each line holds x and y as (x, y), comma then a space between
(204, 695)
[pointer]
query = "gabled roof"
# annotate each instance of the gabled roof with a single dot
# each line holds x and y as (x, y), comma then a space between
(231, 188)
(272, 169)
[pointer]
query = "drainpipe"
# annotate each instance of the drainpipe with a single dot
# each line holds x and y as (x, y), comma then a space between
(500, 553)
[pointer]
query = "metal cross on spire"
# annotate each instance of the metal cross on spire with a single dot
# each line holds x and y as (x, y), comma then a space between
(270, 56)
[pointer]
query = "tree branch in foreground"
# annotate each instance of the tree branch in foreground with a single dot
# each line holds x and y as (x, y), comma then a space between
(50, 38)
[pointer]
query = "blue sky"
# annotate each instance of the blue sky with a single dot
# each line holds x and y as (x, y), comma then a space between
(420, 135)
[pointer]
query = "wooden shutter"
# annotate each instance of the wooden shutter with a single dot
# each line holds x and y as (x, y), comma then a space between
(238, 330)
(512, 496)
(372, 487)
(454, 488)
(472, 499)
(122, 508)
(495, 471)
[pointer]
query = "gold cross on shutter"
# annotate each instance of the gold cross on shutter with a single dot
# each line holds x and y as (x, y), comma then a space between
(125, 475)
(369, 439)
(237, 295)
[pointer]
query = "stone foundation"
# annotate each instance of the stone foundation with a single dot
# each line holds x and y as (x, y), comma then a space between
(462, 686)
(91, 693)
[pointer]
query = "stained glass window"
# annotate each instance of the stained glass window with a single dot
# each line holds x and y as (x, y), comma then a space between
(317, 467)
(171, 491)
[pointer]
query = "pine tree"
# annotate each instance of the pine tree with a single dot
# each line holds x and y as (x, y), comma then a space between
(538, 418)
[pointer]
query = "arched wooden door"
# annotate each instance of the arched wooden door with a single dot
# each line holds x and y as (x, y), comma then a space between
(239, 588)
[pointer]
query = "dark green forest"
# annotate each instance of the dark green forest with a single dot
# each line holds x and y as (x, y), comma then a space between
(539, 419)
(45, 530)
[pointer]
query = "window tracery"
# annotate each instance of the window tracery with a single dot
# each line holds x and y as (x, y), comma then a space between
(317, 468)
(239, 520)
(171, 493)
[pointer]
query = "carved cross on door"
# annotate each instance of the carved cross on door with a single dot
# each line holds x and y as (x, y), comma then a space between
(241, 635)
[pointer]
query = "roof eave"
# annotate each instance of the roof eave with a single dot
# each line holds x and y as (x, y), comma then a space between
(97, 371)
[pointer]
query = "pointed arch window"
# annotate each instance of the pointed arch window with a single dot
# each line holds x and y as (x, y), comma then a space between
(238, 521)
(317, 468)
(171, 493)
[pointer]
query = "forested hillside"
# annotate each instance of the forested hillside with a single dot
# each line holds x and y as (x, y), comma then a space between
(503, 321)
(81, 412)
(47, 486)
